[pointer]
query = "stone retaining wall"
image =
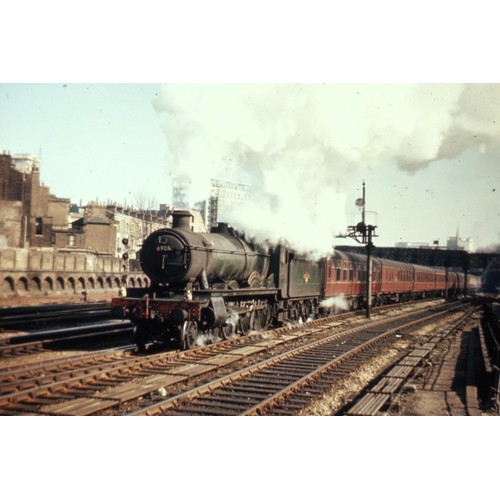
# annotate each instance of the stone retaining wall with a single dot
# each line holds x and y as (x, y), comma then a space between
(27, 272)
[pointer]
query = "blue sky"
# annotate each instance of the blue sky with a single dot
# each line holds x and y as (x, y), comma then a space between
(105, 142)
(109, 142)
(432, 203)
(96, 141)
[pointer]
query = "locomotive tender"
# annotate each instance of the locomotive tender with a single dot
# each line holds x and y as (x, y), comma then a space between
(214, 285)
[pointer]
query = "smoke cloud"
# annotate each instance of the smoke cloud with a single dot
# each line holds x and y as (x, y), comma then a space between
(294, 144)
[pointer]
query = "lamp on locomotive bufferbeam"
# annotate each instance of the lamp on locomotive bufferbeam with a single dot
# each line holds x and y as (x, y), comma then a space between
(363, 233)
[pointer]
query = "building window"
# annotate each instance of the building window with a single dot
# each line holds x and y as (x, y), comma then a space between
(39, 226)
(71, 240)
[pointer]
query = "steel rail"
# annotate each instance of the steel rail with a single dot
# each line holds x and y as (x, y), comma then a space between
(64, 383)
(7, 350)
(207, 388)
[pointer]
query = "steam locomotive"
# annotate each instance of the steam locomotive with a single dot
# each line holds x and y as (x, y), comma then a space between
(211, 286)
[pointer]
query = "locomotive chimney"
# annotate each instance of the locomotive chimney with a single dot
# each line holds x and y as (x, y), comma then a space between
(181, 219)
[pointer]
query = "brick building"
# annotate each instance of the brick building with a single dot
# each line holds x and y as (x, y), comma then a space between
(104, 227)
(30, 214)
(32, 217)
(94, 234)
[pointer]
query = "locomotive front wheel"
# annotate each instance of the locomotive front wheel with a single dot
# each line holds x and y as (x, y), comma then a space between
(245, 323)
(226, 331)
(189, 334)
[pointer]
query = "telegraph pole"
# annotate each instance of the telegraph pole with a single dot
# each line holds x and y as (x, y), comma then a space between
(363, 233)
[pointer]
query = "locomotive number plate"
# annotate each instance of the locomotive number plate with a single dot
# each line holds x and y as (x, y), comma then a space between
(164, 248)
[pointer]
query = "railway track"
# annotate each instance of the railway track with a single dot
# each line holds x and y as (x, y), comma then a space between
(386, 391)
(65, 338)
(263, 388)
(135, 384)
(32, 317)
(449, 374)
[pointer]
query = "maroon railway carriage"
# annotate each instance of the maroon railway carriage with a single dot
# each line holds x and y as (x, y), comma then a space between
(392, 281)
(346, 275)
(425, 282)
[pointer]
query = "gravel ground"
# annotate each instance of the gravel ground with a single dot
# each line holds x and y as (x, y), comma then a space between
(413, 402)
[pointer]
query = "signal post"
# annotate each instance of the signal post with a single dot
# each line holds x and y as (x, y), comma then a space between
(363, 233)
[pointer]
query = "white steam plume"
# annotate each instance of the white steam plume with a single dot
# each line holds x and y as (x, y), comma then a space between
(293, 143)
(338, 303)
